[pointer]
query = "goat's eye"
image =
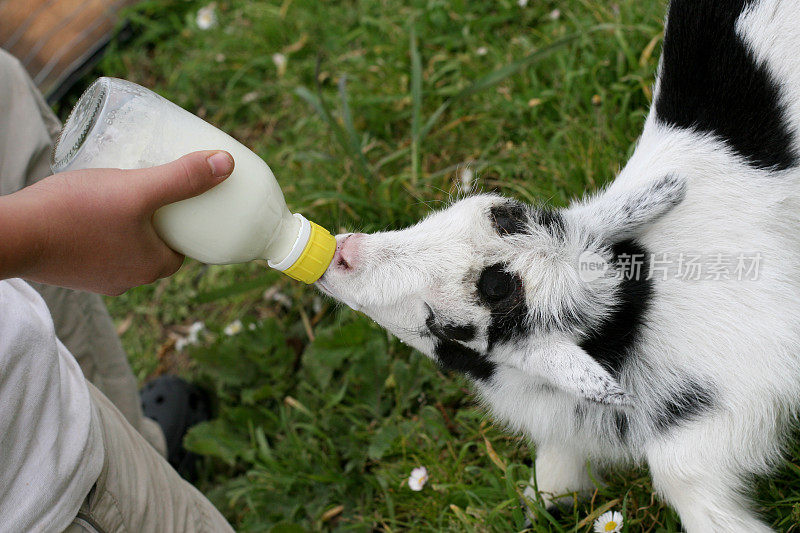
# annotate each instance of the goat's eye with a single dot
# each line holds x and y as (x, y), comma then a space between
(496, 284)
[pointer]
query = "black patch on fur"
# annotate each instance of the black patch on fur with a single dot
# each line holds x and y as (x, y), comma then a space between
(710, 82)
(611, 343)
(448, 331)
(552, 221)
(454, 356)
(509, 218)
(691, 401)
(509, 315)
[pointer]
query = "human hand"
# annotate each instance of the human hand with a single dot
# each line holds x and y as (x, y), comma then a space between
(92, 229)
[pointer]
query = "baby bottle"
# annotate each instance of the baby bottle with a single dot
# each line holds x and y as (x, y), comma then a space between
(118, 124)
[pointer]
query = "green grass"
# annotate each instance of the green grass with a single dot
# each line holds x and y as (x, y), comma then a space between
(382, 106)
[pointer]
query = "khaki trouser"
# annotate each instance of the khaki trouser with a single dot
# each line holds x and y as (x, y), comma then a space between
(137, 489)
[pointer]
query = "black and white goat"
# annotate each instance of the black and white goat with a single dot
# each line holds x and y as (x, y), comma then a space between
(584, 327)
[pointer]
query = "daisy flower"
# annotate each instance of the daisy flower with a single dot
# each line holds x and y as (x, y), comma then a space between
(274, 295)
(191, 338)
(207, 17)
(250, 97)
(233, 328)
(418, 478)
(610, 522)
(280, 63)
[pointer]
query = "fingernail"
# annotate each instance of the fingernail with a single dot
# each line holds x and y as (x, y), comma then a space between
(221, 164)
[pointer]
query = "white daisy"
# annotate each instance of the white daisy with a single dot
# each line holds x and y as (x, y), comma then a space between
(250, 97)
(207, 16)
(522, 3)
(274, 295)
(195, 329)
(280, 63)
(610, 522)
(233, 328)
(418, 478)
(191, 338)
(482, 51)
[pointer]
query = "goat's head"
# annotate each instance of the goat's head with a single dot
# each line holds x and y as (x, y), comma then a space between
(491, 282)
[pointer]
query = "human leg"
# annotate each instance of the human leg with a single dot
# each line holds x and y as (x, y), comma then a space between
(81, 319)
(137, 489)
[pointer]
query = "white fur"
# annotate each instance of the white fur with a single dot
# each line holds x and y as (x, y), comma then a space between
(741, 337)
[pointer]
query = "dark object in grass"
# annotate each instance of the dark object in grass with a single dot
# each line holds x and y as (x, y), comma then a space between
(176, 405)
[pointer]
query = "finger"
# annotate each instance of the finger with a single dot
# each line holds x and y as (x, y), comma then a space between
(184, 178)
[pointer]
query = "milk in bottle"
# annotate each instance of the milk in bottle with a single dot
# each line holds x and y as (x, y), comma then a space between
(118, 124)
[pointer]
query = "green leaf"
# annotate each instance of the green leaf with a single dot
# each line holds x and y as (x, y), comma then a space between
(287, 527)
(239, 287)
(382, 441)
(216, 439)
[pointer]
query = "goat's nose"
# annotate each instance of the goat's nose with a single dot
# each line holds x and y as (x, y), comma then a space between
(347, 251)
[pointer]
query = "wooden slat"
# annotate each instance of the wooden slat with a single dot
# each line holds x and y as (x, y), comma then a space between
(52, 38)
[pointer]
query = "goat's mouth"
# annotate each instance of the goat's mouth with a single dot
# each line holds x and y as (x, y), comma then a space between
(321, 285)
(324, 286)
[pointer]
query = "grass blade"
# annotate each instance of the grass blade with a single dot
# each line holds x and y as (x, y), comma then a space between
(349, 127)
(496, 76)
(238, 287)
(416, 103)
(350, 147)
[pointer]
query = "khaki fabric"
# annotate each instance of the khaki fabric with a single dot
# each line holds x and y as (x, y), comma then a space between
(138, 490)
(28, 129)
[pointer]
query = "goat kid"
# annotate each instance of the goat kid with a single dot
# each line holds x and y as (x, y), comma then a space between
(571, 334)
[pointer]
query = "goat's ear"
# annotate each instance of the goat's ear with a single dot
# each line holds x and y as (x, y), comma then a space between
(622, 211)
(566, 366)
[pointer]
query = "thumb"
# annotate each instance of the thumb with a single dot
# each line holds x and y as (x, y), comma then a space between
(188, 176)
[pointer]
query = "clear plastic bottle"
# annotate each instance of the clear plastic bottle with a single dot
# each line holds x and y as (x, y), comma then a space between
(118, 124)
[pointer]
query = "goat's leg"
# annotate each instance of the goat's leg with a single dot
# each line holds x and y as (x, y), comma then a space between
(703, 487)
(560, 472)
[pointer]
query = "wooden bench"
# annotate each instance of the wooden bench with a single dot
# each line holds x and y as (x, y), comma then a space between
(57, 40)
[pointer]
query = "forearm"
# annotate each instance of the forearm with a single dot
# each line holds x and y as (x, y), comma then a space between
(92, 229)
(22, 233)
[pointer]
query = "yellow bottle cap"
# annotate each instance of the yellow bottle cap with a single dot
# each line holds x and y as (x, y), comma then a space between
(311, 253)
